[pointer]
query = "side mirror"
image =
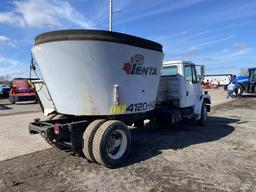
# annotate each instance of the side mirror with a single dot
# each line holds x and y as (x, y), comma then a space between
(202, 71)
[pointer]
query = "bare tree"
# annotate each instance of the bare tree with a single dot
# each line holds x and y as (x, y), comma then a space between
(5, 79)
(243, 72)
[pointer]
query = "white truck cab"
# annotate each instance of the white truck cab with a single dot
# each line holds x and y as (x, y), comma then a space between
(180, 86)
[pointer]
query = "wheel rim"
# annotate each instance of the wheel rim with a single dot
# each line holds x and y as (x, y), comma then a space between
(116, 144)
(239, 90)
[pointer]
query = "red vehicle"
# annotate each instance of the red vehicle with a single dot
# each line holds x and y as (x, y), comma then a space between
(22, 91)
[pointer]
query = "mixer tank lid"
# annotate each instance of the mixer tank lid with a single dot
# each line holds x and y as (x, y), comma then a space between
(97, 35)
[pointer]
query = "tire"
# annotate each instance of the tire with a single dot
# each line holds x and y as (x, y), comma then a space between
(203, 119)
(11, 99)
(88, 138)
(104, 150)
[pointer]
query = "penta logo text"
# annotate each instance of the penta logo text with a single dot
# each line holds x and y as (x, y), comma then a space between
(135, 66)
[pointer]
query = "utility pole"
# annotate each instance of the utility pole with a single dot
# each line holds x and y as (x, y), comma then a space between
(110, 14)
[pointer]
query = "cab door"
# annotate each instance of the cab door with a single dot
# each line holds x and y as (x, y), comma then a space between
(192, 86)
(252, 81)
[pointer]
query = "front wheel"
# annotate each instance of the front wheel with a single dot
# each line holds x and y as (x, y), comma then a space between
(203, 118)
(111, 143)
(240, 90)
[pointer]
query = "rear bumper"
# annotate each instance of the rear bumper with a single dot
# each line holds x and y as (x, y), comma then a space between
(24, 98)
(63, 125)
(60, 132)
(41, 128)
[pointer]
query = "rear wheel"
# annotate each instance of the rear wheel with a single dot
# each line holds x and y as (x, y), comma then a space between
(254, 88)
(11, 99)
(111, 143)
(88, 138)
(203, 118)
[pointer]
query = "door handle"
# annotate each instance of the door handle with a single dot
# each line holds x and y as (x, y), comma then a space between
(187, 93)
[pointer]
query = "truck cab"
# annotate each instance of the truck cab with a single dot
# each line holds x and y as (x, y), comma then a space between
(252, 81)
(180, 87)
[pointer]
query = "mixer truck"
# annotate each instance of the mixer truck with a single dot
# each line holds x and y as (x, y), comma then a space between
(95, 84)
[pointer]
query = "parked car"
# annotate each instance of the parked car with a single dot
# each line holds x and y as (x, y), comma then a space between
(22, 91)
(4, 90)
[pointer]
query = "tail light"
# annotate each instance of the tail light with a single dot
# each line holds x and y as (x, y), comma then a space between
(12, 91)
(56, 129)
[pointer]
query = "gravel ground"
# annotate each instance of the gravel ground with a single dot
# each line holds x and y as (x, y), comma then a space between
(14, 138)
(218, 157)
(28, 107)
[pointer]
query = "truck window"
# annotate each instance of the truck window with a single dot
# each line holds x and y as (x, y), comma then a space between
(169, 71)
(194, 75)
(253, 75)
(190, 73)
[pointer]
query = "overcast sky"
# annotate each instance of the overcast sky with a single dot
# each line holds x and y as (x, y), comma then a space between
(218, 33)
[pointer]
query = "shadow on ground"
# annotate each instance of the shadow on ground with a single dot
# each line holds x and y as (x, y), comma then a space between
(148, 142)
(4, 107)
(26, 102)
(249, 95)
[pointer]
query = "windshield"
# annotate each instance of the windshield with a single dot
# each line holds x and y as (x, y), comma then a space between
(169, 71)
(253, 75)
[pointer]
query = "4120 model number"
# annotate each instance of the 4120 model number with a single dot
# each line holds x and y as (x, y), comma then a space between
(137, 107)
